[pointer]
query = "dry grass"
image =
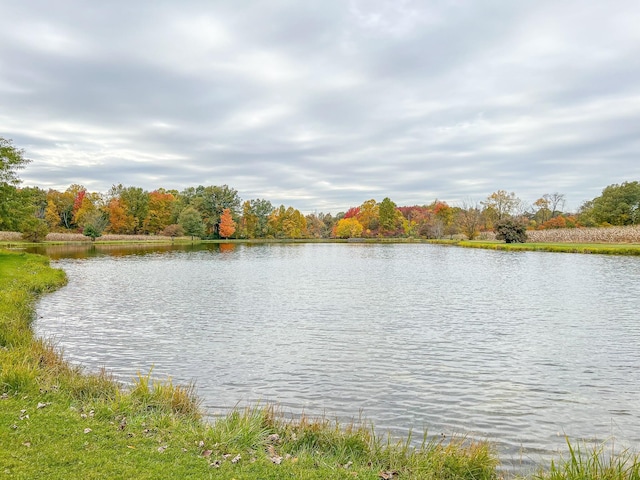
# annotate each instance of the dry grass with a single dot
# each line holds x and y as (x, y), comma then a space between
(626, 234)
(78, 237)
(10, 237)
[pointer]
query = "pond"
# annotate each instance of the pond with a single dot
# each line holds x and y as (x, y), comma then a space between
(520, 348)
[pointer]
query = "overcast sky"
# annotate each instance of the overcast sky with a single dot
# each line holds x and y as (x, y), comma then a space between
(322, 105)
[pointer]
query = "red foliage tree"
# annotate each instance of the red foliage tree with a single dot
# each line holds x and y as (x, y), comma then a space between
(352, 212)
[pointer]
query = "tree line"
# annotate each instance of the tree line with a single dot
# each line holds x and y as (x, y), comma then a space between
(217, 211)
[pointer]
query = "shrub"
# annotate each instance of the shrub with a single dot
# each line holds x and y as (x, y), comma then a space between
(34, 229)
(511, 231)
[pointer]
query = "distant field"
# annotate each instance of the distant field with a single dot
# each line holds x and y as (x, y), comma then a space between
(627, 234)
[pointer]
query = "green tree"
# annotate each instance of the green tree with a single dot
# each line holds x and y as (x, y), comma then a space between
(34, 229)
(255, 218)
(390, 217)
(214, 200)
(95, 224)
(617, 205)
(136, 203)
(191, 222)
(14, 207)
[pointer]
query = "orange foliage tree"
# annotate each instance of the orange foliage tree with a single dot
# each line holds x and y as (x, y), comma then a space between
(227, 225)
(119, 220)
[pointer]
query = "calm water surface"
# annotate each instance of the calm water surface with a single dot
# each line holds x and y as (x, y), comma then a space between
(519, 348)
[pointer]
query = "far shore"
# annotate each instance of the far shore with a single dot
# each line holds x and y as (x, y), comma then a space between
(13, 240)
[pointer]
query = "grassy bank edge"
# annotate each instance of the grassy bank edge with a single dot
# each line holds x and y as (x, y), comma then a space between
(584, 248)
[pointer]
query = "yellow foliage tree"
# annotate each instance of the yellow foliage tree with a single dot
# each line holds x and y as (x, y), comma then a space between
(348, 228)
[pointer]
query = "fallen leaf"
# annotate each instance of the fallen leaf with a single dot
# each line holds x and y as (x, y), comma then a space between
(348, 464)
(43, 405)
(27, 444)
(131, 447)
(87, 430)
(207, 453)
(236, 459)
(275, 459)
(162, 448)
(215, 464)
(273, 438)
(201, 443)
(387, 475)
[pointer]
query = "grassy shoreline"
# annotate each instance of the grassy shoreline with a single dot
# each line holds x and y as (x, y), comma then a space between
(604, 248)
(584, 248)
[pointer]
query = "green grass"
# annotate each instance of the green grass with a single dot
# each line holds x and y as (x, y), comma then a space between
(599, 248)
(58, 422)
(593, 463)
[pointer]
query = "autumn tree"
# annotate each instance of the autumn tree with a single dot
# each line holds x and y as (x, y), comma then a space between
(63, 203)
(174, 230)
(315, 226)
(51, 214)
(86, 208)
(542, 211)
(160, 211)
(287, 223)
(120, 222)
(369, 216)
(500, 205)
(469, 219)
(227, 225)
(348, 228)
(352, 212)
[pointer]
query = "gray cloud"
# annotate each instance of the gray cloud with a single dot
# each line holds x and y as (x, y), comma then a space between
(322, 105)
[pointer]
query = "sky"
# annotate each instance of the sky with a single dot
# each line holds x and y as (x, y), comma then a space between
(321, 105)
